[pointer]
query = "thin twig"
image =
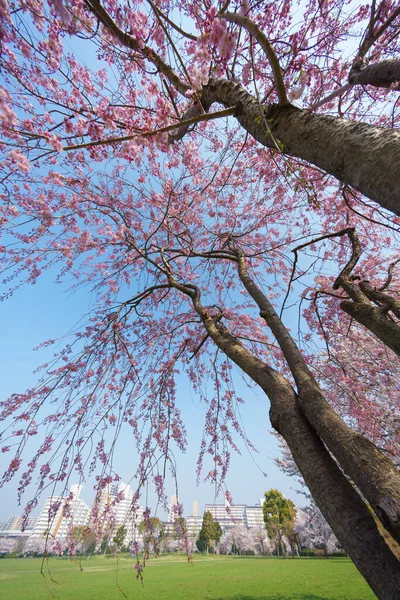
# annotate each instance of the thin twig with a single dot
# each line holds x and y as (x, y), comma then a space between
(204, 117)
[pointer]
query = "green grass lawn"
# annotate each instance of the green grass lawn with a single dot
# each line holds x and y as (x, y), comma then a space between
(171, 578)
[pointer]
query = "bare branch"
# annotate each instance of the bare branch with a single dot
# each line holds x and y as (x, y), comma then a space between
(174, 48)
(203, 117)
(332, 96)
(185, 34)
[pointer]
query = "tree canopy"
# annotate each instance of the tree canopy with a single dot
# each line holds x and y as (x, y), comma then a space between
(279, 517)
(223, 179)
(210, 532)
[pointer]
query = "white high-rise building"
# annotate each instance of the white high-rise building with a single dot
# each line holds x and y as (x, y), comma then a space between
(254, 516)
(194, 522)
(171, 513)
(116, 500)
(228, 515)
(60, 514)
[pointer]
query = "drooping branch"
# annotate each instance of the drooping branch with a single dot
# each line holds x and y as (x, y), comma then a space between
(266, 45)
(346, 512)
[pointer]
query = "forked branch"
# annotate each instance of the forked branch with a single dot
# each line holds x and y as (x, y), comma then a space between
(266, 45)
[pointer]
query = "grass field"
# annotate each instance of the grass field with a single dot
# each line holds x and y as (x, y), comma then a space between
(171, 578)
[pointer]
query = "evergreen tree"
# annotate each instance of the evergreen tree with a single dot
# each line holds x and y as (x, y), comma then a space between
(279, 517)
(119, 537)
(210, 531)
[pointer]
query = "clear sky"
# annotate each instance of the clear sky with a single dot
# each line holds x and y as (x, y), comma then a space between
(47, 310)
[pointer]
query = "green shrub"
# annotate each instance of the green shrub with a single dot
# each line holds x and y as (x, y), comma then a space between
(307, 552)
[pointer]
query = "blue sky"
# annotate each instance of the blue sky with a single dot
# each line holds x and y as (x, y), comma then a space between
(47, 310)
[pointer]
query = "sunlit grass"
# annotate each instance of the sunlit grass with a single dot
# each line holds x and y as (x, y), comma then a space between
(171, 577)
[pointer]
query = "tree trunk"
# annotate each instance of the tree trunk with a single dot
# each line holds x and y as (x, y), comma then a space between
(341, 505)
(358, 154)
(339, 502)
(374, 473)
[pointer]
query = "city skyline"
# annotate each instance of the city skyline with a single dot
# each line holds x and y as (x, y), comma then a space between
(118, 498)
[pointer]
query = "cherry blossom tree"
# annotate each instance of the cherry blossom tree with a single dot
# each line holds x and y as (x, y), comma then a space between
(261, 542)
(183, 231)
(36, 545)
(238, 540)
(7, 545)
(225, 543)
(314, 531)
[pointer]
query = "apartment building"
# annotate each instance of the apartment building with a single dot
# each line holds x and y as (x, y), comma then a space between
(60, 514)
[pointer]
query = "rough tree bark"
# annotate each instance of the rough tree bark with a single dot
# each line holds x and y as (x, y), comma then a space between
(358, 154)
(375, 475)
(344, 509)
(376, 321)
(382, 74)
(368, 305)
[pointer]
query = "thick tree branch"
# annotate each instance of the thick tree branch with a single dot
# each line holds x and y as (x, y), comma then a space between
(362, 293)
(383, 74)
(361, 155)
(373, 319)
(389, 275)
(266, 45)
